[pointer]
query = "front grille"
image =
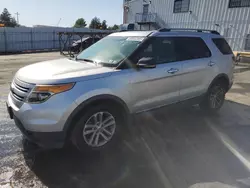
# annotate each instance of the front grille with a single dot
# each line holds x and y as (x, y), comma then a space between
(19, 91)
(17, 96)
(21, 88)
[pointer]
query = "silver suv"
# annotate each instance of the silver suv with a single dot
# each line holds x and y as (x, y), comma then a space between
(88, 100)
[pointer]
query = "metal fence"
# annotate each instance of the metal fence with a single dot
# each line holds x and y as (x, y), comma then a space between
(34, 39)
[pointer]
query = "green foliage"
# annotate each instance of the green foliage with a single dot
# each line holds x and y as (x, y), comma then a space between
(7, 20)
(80, 22)
(104, 25)
(95, 23)
(114, 27)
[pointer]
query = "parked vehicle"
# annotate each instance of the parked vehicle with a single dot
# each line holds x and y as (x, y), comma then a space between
(81, 44)
(88, 100)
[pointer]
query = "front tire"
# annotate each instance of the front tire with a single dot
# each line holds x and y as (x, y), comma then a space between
(214, 98)
(99, 128)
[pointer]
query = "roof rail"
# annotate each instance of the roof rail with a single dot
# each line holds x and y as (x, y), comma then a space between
(188, 29)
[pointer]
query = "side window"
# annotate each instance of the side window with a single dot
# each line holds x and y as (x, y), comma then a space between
(145, 51)
(191, 48)
(181, 6)
(162, 49)
(222, 45)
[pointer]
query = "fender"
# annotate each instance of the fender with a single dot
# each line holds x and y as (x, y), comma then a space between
(79, 108)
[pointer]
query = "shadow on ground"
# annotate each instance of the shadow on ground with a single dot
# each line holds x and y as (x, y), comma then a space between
(170, 148)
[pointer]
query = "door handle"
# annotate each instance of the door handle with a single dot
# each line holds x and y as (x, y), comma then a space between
(211, 63)
(173, 70)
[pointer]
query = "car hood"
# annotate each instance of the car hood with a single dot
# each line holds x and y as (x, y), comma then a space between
(62, 71)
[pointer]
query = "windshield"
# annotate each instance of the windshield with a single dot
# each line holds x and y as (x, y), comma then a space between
(111, 50)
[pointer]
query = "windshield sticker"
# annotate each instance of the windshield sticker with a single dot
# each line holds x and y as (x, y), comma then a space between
(112, 61)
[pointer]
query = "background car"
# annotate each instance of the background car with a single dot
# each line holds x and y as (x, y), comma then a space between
(81, 44)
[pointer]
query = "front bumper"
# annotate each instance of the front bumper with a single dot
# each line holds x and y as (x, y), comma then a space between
(42, 123)
(42, 139)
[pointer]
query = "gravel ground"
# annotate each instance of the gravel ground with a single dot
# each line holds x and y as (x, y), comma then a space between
(171, 148)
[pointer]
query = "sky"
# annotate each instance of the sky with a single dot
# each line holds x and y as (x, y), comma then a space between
(49, 12)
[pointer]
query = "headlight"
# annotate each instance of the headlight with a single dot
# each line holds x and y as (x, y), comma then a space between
(42, 93)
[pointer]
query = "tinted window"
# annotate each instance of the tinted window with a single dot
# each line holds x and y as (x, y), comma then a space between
(239, 3)
(131, 27)
(145, 9)
(191, 48)
(160, 48)
(164, 50)
(222, 45)
(181, 6)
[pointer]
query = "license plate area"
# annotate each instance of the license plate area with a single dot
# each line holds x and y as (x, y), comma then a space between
(10, 111)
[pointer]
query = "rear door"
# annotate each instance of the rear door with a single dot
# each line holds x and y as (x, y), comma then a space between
(196, 66)
(224, 60)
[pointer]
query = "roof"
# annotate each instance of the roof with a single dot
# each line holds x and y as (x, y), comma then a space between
(185, 33)
(132, 33)
(182, 32)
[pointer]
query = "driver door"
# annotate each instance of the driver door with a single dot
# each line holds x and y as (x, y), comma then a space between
(159, 86)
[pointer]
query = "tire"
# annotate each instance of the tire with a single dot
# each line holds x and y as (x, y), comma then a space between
(214, 98)
(82, 135)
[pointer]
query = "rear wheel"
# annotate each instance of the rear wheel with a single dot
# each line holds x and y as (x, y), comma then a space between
(214, 98)
(99, 127)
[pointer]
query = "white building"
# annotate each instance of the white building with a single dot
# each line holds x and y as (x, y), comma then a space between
(230, 17)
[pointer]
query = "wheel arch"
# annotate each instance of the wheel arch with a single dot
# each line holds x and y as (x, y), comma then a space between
(221, 78)
(104, 98)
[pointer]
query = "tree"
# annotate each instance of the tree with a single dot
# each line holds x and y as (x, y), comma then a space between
(7, 20)
(114, 27)
(95, 23)
(80, 22)
(104, 25)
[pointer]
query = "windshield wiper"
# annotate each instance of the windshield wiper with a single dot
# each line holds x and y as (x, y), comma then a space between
(87, 60)
(107, 64)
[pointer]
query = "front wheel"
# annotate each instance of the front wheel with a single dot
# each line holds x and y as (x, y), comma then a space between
(214, 98)
(99, 127)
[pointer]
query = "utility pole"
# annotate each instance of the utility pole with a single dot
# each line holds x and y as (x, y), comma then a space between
(17, 17)
(58, 22)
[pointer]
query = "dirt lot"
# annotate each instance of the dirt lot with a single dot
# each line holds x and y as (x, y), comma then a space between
(171, 148)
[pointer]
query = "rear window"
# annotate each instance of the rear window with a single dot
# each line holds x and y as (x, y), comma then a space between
(223, 46)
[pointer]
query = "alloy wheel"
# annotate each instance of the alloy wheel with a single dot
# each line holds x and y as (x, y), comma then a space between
(99, 129)
(217, 98)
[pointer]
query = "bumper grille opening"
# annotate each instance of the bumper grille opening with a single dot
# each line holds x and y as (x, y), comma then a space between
(20, 98)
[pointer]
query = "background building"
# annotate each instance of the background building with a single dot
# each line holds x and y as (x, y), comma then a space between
(230, 17)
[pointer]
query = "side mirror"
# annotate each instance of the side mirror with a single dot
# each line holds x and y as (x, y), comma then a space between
(146, 63)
